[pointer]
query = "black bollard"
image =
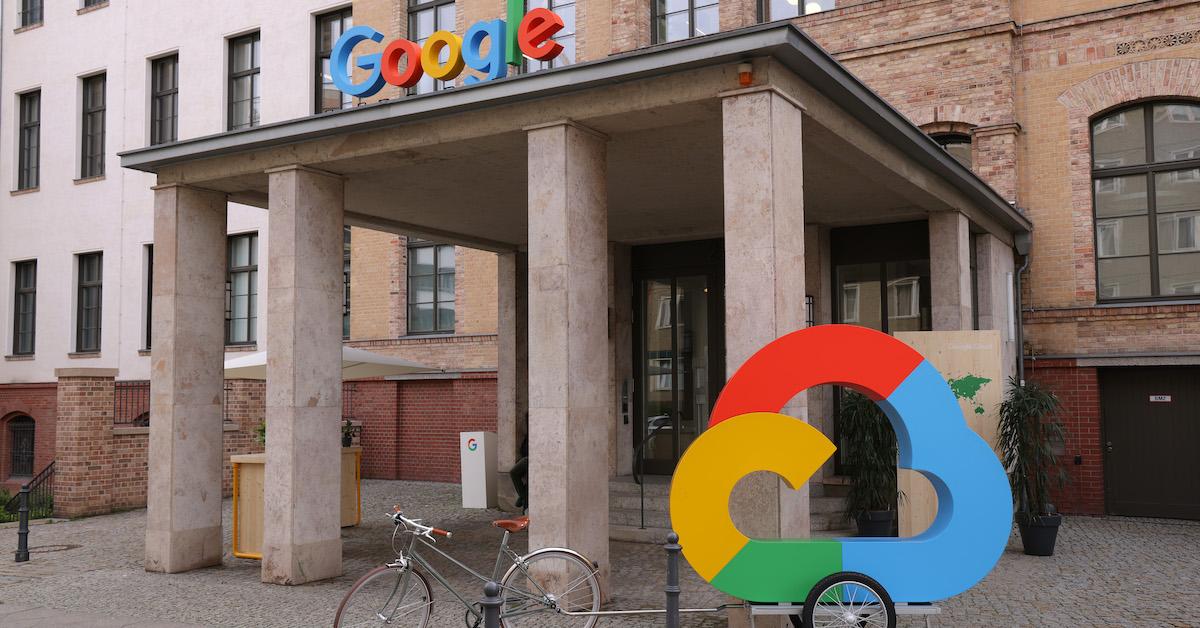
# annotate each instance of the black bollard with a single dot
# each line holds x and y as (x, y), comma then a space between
(672, 590)
(491, 605)
(23, 525)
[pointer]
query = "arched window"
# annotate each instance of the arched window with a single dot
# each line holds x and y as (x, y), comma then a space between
(20, 439)
(1146, 194)
(957, 144)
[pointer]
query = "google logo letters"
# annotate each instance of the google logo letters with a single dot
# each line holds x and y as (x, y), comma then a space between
(746, 434)
(506, 46)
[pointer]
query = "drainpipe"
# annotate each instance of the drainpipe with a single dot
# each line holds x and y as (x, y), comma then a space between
(1023, 243)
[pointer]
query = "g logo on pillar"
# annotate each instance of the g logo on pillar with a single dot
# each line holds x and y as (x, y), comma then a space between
(746, 434)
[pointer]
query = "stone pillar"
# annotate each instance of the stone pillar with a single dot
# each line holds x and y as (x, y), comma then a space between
(764, 274)
(950, 270)
(994, 269)
(183, 497)
(568, 349)
(83, 442)
(302, 530)
(512, 367)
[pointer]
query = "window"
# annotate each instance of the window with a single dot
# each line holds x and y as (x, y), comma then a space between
(88, 302)
(663, 319)
(241, 290)
(93, 126)
(430, 287)
(850, 303)
(20, 437)
(786, 9)
(164, 100)
(675, 20)
(149, 296)
(565, 37)
(24, 307)
(29, 142)
(958, 145)
(345, 282)
(426, 17)
(904, 298)
(244, 61)
(93, 3)
(1146, 196)
(31, 12)
(329, 28)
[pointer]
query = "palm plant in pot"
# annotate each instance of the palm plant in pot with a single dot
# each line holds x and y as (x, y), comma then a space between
(1029, 432)
(869, 443)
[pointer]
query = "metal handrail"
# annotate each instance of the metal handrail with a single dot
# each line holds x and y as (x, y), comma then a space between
(37, 487)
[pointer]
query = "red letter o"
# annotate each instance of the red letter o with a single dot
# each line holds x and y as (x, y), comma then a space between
(393, 54)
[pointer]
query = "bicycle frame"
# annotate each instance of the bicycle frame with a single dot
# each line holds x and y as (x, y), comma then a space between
(410, 556)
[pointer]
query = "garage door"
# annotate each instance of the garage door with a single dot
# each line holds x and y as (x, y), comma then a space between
(1152, 440)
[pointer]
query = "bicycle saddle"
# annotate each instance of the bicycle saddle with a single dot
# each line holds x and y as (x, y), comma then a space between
(516, 524)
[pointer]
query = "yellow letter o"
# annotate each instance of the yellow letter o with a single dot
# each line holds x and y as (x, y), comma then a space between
(449, 70)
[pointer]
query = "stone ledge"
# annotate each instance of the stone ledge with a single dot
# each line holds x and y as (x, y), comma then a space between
(86, 10)
(91, 179)
(250, 348)
(26, 29)
(24, 191)
(84, 355)
(19, 358)
(85, 372)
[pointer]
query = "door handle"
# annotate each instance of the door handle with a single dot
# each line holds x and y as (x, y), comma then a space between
(1108, 446)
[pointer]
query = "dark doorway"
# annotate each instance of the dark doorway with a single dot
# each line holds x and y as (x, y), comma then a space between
(679, 358)
(1151, 441)
(20, 437)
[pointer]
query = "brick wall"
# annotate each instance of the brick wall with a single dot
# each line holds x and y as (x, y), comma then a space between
(83, 466)
(38, 402)
(1078, 389)
(411, 428)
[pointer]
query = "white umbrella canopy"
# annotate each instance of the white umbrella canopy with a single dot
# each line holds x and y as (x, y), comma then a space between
(356, 364)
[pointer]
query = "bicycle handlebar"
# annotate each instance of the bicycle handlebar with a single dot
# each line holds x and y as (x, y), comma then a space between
(417, 527)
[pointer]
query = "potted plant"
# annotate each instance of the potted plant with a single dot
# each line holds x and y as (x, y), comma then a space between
(869, 443)
(1029, 431)
(349, 431)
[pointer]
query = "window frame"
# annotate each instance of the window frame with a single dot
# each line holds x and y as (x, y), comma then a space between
(148, 324)
(29, 155)
(83, 285)
(691, 12)
(346, 16)
(158, 94)
(232, 76)
(414, 244)
(26, 423)
(414, 7)
(31, 13)
(764, 11)
(93, 121)
(1150, 169)
(346, 272)
(947, 138)
(533, 65)
(19, 294)
(252, 295)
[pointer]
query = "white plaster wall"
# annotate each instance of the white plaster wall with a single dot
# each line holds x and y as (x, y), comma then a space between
(115, 214)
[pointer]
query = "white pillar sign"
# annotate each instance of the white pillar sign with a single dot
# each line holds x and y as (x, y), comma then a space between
(477, 451)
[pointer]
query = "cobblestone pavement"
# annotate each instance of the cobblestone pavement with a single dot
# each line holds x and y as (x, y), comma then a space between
(1108, 572)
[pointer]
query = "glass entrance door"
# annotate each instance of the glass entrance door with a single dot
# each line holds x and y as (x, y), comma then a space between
(675, 367)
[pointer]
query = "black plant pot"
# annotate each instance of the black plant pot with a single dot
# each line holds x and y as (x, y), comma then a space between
(877, 523)
(1039, 533)
(347, 440)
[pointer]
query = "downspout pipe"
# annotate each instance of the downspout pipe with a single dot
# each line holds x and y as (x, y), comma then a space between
(1023, 244)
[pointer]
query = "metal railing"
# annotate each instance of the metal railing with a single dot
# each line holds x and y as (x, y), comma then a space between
(41, 495)
(131, 403)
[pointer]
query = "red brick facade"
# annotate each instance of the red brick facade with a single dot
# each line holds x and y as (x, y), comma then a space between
(38, 402)
(1078, 388)
(83, 464)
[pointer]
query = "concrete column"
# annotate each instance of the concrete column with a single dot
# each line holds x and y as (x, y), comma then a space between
(302, 527)
(950, 270)
(568, 343)
(994, 268)
(512, 367)
(621, 394)
(83, 447)
(764, 274)
(183, 498)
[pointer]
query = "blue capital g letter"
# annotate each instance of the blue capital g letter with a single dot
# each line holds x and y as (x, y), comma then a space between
(339, 63)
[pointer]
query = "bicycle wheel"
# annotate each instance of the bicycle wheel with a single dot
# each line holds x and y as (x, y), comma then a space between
(550, 582)
(387, 596)
(849, 600)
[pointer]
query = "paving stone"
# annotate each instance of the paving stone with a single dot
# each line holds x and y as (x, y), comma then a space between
(1108, 572)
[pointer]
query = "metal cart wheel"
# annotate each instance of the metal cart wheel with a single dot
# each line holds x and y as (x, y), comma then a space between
(849, 600)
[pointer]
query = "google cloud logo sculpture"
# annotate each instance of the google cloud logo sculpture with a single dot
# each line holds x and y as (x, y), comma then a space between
(746, 434)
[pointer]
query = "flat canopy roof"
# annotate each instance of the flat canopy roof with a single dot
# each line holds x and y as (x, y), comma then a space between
(779, 40)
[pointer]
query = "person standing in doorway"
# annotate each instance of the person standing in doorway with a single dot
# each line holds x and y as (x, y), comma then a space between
(520, 476)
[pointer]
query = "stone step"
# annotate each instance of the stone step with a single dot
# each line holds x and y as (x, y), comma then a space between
(631, 517)
(820, 522)
(657, 503)
(827, 505)
(626, 486)
(633, 534)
